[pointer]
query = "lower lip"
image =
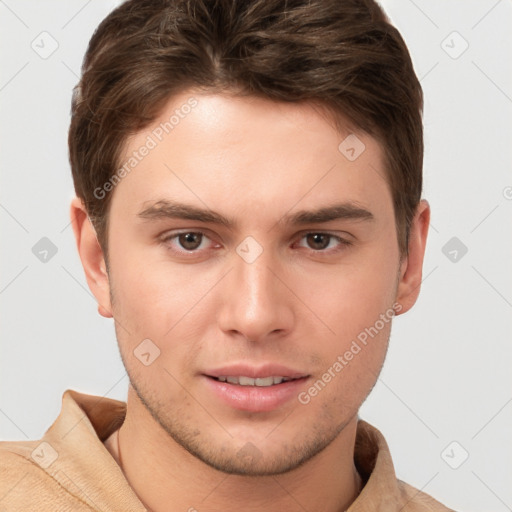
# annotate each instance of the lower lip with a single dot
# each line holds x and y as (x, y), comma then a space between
(256, 398)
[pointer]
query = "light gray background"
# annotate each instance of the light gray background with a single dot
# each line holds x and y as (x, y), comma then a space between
(447, 375)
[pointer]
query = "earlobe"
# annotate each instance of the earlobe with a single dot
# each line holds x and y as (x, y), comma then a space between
(91, 256)
(412, 265)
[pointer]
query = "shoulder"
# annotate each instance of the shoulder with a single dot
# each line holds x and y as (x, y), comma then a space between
(415, 500)
(24, 484)
(18, 456)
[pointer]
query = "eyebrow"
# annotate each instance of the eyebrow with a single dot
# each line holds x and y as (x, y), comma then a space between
(349, 211)
(165, 209)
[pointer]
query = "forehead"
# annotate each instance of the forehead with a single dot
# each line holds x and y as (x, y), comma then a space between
(236, 153)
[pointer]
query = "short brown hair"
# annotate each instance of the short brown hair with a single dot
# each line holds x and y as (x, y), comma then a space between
(343, 54)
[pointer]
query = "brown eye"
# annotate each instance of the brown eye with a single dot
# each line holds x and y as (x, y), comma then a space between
(190, 241)
(318, 241)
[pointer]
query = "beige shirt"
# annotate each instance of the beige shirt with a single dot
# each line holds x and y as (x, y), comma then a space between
(70, 469)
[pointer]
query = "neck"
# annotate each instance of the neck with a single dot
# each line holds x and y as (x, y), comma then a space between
(171, 475)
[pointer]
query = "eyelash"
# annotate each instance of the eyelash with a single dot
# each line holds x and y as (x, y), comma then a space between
(343, 243)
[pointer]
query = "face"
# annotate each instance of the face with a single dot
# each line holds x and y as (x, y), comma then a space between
(260, 263)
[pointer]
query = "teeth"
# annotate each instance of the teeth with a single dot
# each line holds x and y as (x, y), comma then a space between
(267, 381)
(249, 381)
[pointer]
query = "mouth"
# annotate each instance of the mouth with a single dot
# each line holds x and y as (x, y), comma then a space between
(263, 382)
(255, 389)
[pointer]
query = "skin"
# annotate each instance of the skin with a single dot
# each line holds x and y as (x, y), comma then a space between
(299, 304)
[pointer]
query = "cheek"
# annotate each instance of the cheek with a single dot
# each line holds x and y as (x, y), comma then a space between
(154, 304)
(157, 302)
(354, 297)
(351, 363)
(146, 288)
(356, 303)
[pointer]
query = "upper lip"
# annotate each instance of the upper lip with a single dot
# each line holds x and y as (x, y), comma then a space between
(256, 372)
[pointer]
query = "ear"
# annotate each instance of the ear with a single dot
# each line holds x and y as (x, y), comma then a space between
(412, 265)
(91, 256)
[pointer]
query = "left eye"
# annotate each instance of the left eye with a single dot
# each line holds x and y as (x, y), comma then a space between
(190, 241)
(321, 241)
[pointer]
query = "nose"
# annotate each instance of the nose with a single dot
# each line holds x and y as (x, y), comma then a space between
(256, 305)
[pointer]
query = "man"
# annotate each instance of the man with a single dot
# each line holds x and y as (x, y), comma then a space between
(248, 211)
